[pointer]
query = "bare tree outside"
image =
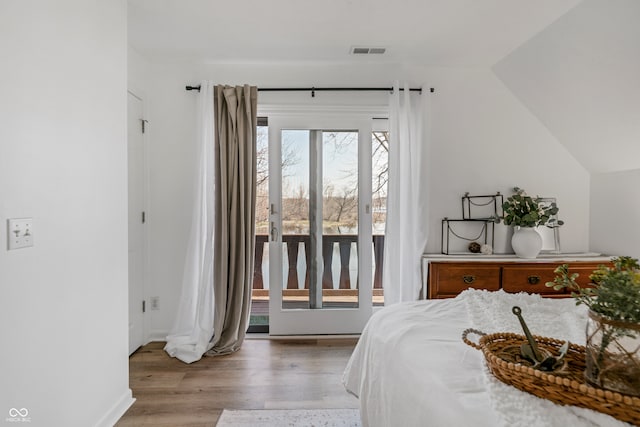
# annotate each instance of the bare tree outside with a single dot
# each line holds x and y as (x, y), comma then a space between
(340, 198)
(262, 180)
(380, 172)
(340, 204)
(289, 159)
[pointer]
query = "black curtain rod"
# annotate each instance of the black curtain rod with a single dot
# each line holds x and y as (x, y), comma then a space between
(313, 90)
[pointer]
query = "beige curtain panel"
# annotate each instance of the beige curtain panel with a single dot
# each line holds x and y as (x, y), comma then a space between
(235, 110)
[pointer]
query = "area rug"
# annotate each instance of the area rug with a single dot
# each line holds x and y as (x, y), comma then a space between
(290, 417)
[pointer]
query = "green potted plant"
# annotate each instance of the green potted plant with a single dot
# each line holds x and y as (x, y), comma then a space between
(613, 326)
(525, 213)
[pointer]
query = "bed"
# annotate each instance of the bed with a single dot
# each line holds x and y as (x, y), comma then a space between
(411, 368)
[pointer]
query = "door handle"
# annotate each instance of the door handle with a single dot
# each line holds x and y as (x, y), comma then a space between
(274, 232)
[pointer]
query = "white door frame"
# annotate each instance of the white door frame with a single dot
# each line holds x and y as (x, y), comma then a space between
(333, 320)
(137, 325)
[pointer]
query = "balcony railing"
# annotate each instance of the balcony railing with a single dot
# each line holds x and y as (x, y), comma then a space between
(344, 241)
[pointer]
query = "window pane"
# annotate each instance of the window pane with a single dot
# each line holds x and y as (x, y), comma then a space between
(340, 218)
(380, 176)
(295, 218)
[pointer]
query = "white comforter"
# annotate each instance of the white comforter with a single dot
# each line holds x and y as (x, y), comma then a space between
(411, 368)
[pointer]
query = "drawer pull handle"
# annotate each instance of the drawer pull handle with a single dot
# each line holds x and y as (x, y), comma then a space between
(533, 280)
(468, 279)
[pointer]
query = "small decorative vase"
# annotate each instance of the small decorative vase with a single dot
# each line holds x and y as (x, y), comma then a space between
(613, 354)
(526, 242)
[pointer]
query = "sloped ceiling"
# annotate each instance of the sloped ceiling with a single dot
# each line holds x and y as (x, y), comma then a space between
(581, 77)
(425, 32)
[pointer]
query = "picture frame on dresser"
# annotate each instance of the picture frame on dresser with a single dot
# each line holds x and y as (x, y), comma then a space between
(550, 235)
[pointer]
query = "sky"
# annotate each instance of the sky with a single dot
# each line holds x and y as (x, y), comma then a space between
(339, 160)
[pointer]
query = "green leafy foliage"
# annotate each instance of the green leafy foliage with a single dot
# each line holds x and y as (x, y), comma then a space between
(526, 211)
(616, 291)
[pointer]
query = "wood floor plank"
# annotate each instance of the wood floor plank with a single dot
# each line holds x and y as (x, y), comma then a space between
(158, 379)
(263, 374)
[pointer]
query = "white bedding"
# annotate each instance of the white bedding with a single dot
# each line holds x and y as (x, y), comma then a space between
(411, 368)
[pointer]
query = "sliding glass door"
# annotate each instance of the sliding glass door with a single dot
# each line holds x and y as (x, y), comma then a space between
(319, 224)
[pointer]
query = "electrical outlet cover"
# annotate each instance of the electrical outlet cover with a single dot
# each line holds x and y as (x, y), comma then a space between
(19, 233)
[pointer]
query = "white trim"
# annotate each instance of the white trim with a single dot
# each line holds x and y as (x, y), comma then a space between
(139, 94)
(297, 110)
(365, 218)
(117, 410)
(158, 335)
(146, 287)
(146, 262)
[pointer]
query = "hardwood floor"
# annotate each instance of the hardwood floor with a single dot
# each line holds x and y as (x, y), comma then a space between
(263, 374)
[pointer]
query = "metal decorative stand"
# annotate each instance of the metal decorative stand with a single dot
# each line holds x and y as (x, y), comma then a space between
(486, 233)
(471, 205)
(493, 202)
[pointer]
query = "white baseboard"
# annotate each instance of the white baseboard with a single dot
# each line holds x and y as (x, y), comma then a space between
(117, 411)
(157, 335)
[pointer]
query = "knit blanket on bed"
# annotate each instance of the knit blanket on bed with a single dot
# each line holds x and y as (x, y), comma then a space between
(491, 312)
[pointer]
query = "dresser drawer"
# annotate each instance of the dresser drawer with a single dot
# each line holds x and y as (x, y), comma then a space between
(529, 278)
(448, 280)
(584, 270)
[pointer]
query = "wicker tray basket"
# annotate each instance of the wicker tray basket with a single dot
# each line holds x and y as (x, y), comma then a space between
(565, 386)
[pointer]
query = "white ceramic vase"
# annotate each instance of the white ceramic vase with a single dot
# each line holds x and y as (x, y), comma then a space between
(526, 242)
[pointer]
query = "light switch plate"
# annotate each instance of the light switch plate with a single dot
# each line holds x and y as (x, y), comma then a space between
(19, 233)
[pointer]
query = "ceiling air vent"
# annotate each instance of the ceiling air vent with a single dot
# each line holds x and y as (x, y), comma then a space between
(368, 50)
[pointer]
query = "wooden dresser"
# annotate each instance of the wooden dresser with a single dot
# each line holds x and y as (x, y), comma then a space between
(446, 276)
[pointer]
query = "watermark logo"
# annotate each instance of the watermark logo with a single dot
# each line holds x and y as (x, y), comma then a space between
(18, 416)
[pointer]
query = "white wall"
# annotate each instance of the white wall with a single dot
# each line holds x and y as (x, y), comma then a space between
(483, 140)
(580, 77)
(63, 302)
(138, 72)
(615, 212)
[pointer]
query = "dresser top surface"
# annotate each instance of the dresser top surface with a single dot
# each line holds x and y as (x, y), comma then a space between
(542, 258)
